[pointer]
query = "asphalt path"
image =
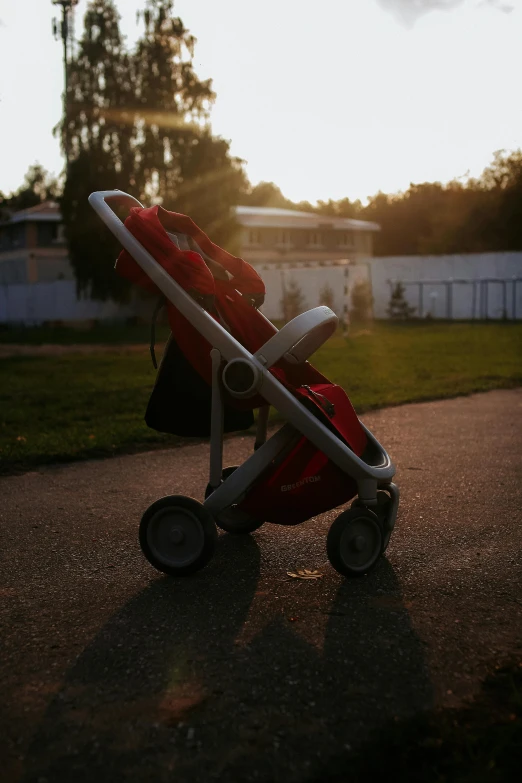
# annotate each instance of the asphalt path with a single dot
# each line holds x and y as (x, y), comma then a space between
(110, 671)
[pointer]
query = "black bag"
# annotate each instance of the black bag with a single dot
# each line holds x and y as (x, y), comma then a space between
(180, 403)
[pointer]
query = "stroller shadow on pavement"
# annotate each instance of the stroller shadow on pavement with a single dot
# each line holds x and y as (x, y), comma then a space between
(176, 686)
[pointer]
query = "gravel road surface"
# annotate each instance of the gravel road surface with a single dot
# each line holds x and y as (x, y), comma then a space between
(110, 671)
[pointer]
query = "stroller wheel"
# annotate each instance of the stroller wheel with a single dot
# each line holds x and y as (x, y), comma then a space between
(177, 535)
(354, 541)
(382, 511)
(233, 520)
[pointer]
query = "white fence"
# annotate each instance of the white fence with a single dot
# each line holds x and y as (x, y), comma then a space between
(474, 298)
(39, 302)
(35, 303)
(311, 280)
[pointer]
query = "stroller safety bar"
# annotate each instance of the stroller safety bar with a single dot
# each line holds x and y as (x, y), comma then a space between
(299, 338)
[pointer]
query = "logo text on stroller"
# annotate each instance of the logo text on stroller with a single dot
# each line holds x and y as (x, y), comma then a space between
(307, 480)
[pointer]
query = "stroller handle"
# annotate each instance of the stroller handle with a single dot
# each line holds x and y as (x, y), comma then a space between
(103, 201)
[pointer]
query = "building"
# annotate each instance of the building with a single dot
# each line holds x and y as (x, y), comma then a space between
(284, 236)
(33, 247)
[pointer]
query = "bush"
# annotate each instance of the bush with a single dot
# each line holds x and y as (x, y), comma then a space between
(362, 302)
(398, 308)
(293, 302)
(326, 296)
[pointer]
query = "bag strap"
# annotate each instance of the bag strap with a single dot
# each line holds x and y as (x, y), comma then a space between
(160, 304)
(244, 277)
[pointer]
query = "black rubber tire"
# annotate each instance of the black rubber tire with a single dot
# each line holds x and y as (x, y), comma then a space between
(383, 502)
(361, 523)
(242, 527)
(186, 518)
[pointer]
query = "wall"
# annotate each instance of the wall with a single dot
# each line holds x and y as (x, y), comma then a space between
(38, 302)
(474, 266)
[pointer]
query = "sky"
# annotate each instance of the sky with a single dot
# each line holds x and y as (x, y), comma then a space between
(326, 98)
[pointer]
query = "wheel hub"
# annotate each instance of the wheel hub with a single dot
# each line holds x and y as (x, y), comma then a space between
(177, 536)
(359, 543)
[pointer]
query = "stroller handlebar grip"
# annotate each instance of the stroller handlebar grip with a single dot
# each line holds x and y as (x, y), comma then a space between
(299, 338)
(101, 198)
(99, 201)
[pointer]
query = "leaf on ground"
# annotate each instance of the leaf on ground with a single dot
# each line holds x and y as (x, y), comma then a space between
(304, 574)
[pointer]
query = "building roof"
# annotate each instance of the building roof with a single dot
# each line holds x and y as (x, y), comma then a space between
(256, 217)
(272, 217)
(47, 211)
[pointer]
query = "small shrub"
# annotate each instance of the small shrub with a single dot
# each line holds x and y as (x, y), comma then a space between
(326, 296)
(398, 308)
(293, 302)
(362, 302)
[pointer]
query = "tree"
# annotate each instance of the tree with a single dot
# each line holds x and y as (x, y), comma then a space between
(326, 296)
(398, 308)
(265, 194)
(342, 208)
(38, 186)
(181, 163)
(138, 121)
(361, 301)
(100, 122)
(293, 302)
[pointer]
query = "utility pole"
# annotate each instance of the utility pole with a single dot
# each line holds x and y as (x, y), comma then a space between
(64, 31)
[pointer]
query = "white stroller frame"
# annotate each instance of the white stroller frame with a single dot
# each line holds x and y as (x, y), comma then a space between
(296, 341)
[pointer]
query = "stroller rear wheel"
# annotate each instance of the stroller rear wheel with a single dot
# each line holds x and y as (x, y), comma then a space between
(233, 520)
(354, 541)
(177, 535)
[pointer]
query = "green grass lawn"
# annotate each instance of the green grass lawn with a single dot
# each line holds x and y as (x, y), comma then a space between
(113, 334)
(79, 406)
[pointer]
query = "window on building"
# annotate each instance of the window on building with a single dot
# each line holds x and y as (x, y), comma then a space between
(13, 236)
(346, 239)
(314, 239)
(46, 234)
(254, 236)
(283, 237)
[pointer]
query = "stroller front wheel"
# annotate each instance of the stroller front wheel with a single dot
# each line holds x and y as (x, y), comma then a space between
(383, 509)
(354, 541)
(177, 535)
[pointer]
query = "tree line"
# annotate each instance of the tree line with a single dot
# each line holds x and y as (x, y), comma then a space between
(138, 119)
(483, 214)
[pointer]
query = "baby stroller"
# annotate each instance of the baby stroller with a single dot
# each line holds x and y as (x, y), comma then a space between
(237, 361)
